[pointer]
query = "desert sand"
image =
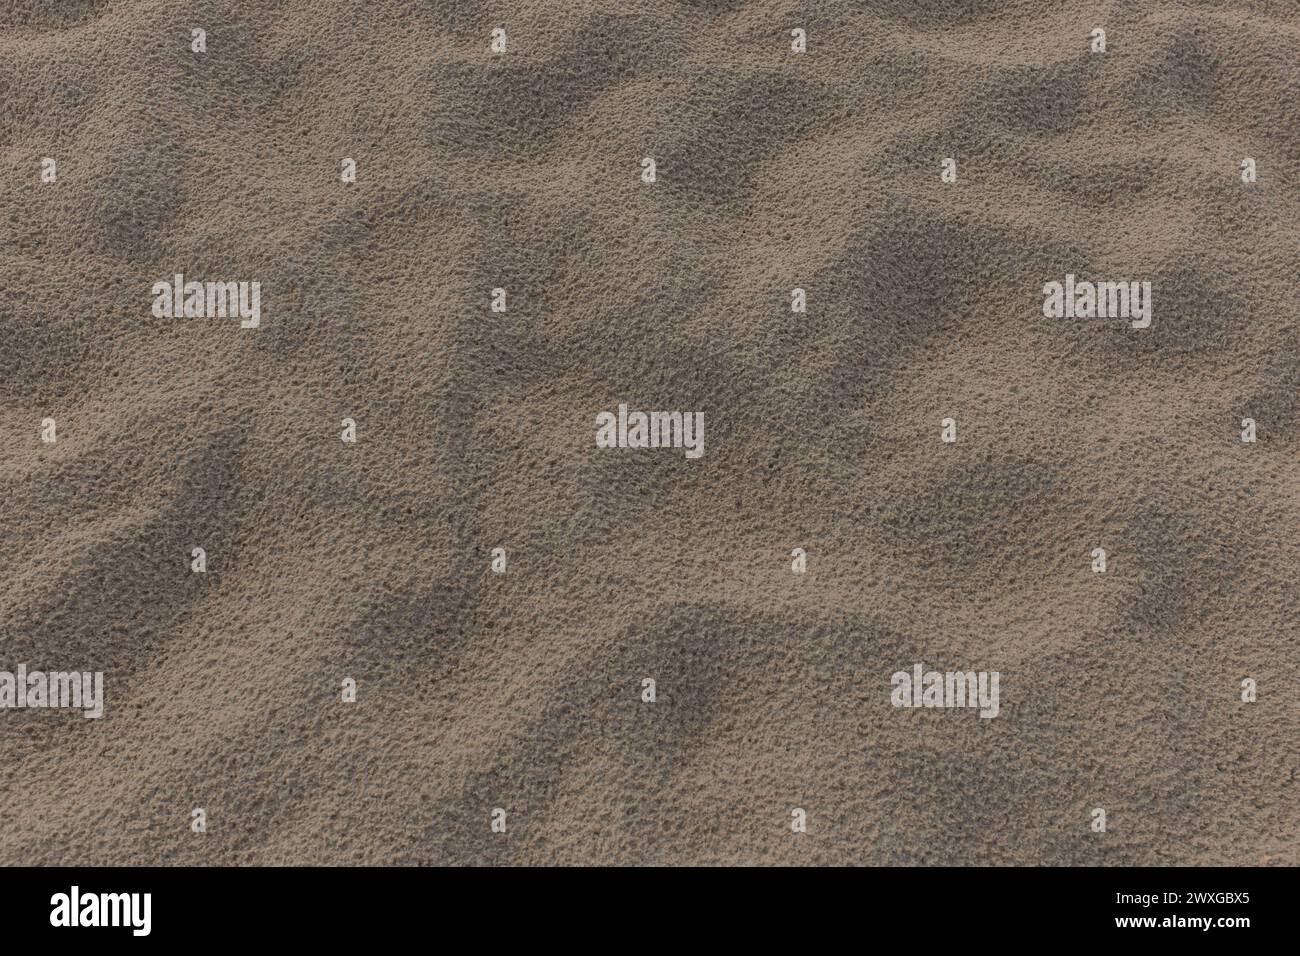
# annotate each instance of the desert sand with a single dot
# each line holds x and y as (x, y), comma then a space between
(475, 429)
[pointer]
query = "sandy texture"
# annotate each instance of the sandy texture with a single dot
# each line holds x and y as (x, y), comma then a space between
(476, 430)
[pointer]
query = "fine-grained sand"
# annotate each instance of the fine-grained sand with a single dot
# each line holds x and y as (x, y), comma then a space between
(774, 170)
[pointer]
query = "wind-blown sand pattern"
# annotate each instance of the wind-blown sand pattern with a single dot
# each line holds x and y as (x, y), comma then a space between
(475, 430)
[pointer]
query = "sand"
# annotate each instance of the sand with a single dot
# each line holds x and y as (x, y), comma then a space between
(475, 430)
